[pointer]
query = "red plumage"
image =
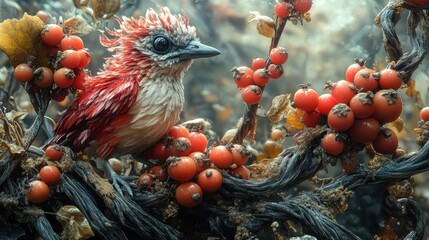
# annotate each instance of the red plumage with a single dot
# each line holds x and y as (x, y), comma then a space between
(139, 95)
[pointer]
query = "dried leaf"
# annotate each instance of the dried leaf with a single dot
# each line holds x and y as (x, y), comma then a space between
(13, 115)
(278, 108)
(265, 25)
(228, 135)
(414, 93)
(198, 124)
(11, 147)
(105, 9)
(75, 224)
(398, 124)
(293, 120)
(20, 40)
(411, 88)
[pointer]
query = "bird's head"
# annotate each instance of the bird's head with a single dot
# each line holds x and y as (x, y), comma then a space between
(157, 44)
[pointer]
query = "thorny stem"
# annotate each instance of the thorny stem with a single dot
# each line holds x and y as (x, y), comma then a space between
(248, 123)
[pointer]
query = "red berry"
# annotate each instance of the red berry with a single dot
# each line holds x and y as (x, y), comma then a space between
(85, 58)
(50, 174)
(159, 172)
(54, 152)
(201, 161)
(364, 130)
(198, 141)
(326, 103)
(221, 157)
(64, 77)
(70, 59)
(343, 91)
(159, 151)
(341, 117)
(240, 155)
(261, 77)
(386, 142)
(178, 131)
(39, 192)
(276, 71)
(332, 145)
(302, 6)
(362, 105)
(189, 194)
(43, 77)
(182, 169)
(79, 80)
(23, 72)
(258, 63)
(424, 114)
(364, 79)
(311, 119)
(210, 180)
(52, 34)
(251, 94)
(281, 10)
(145, 179)
(388, 106)
(353, 69)
(243, 76)
(181, 147)
(390, 79)
(71, 42)
(306, 99)
(278, 55)
(241, 172)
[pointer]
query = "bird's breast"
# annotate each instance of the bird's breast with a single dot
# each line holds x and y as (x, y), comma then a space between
(157, 108)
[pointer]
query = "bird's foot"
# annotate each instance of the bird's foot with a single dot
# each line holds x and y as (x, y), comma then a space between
(116, 180)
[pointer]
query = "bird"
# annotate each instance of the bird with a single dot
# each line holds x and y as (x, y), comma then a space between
(139, 94)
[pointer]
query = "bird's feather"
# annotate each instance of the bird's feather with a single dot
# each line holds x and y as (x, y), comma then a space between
(96, 112)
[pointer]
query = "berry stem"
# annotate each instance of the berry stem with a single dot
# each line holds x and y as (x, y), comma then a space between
(40, 101)
(249, 117)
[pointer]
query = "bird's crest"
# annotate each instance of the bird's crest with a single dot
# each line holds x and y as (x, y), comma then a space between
(142, 26)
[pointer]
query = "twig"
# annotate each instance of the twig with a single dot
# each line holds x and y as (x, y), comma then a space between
(294, 169)
(249, 117)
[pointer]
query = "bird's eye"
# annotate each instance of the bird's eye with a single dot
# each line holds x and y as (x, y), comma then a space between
(161, 44)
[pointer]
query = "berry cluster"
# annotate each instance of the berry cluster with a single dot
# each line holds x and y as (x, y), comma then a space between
(182, 156)
(49, 175)
(286, 8)
(252, 80)
(68, 59)
(355, 110)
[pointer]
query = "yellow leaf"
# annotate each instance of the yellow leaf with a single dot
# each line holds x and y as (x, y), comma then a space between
(411, 91)
(293, 119)
(278, 108)
(20, 40)
(398, 125)
(265, 25)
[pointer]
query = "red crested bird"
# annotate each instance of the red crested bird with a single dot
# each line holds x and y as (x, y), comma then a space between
(139, 95)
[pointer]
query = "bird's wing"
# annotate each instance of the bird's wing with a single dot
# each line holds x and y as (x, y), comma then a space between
(95, 111)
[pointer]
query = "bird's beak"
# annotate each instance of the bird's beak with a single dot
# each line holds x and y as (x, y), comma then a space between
(195, 49)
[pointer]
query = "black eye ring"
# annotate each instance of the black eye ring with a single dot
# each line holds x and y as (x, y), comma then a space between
(161, 44)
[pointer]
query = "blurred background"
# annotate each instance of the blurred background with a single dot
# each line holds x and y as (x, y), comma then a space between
(320, 50)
